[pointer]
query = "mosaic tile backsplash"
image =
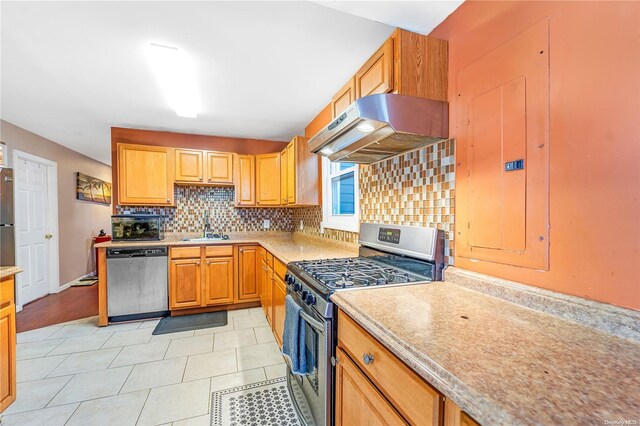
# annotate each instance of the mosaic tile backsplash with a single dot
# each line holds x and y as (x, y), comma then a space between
(193, 201)
(416, 188)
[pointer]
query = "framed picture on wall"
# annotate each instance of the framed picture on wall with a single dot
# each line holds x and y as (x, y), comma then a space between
(93, 189)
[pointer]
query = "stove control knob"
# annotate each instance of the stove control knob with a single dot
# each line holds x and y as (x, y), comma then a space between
(297, 287)
(288, 279)
(310, 299)
(304, 295)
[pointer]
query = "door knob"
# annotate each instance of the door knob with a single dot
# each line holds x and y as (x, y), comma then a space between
(48, 236)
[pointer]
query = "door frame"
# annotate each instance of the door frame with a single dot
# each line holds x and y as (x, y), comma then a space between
(54, 242)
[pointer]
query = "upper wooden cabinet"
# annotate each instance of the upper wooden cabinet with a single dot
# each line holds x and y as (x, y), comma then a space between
(376, 75)
(219, 166)
(284, 176)
(407, 64)
(300, 180)
(189, 165)
(268, 179)
(345, 97)
(145, 175)
(204, 167)
(245, 180)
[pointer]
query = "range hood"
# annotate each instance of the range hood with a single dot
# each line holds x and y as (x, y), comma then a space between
(376, 127)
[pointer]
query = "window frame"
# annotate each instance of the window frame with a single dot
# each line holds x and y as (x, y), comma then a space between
(350, 223)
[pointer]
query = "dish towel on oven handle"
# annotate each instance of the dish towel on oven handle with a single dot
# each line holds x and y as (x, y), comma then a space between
(293, 341)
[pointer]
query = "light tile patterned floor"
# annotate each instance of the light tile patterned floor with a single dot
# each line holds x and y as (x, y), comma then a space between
(81, 374)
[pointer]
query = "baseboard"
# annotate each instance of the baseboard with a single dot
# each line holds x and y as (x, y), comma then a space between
(70, 283)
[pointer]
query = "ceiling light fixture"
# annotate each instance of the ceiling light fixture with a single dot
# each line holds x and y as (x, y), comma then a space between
(177, 78)
(365, 127)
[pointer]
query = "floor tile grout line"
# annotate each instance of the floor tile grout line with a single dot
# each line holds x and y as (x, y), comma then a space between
(143, 405)
(114, 358)
(60, 390)
(74, 411)
(35, 409)
(47, 376)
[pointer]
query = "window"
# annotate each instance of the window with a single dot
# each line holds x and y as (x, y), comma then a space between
(340, 196)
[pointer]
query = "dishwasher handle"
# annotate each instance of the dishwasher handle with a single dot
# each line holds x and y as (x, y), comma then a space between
(124, 253)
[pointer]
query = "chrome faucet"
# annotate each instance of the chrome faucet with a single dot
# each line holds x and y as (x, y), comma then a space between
(207, 224)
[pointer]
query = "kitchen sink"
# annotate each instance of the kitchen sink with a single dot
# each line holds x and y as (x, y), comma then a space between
(205, 239)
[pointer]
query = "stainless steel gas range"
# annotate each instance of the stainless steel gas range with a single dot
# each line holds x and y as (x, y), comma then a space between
(388, 255)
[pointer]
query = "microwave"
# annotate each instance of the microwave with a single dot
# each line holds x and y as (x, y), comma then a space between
(137, 227)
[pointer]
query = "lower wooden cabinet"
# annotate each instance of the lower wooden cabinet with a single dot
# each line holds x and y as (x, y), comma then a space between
(279, 294)
(185, 283)
(218, 281)
(358, 402)
(454, 416)
(201, 277)
(268, 292)
(248, 265)
(7, 344)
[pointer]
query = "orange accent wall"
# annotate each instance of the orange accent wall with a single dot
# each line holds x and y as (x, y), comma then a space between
(184, 140)
(322, 119)
(594, 138)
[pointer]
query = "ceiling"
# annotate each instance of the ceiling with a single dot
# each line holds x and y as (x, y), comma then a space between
(71, 70)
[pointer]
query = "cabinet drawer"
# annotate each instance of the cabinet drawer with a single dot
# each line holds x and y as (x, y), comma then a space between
(279, 268)
(185, 252)
(418, 402)
(6, 292)
(214, 251)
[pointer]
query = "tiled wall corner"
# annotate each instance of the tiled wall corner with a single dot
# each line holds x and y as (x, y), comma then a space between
(193, 201)
(416, 188)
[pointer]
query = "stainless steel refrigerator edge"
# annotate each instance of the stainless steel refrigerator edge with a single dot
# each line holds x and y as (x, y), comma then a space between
(7, 237)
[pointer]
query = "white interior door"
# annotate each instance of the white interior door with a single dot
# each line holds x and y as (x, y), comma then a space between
(32, 228)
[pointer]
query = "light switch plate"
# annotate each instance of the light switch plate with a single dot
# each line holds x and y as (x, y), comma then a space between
(266, 224)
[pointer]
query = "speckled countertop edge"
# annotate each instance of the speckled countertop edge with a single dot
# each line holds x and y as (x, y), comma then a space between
(610, 319)
(286, 246)
(7, 271)
(482, 409)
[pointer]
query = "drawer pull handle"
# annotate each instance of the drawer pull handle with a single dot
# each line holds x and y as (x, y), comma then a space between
(367, 358)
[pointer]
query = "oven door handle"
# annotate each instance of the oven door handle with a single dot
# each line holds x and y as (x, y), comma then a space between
(312, 322)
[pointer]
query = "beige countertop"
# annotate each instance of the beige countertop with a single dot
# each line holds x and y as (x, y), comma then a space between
(503, 363)
(286, 246)
(7, 271)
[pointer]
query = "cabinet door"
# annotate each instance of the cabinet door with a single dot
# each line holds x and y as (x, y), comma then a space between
(453, 416)
(268, 179)
(218, 281)
(246, 181)
(376, 75)
(290, 166)
(358, 402)
(219, 168)
(279, 294)
(7, 356)
(145, 175)
(185, 284)
(268, 279)
(284, 177)
(188, 165)
(247, 279)
(345, 97)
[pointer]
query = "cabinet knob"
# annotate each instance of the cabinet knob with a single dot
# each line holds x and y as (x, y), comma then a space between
(198, 263)
(168, 200)
(209, 179)
(200, 178)
(367, 358)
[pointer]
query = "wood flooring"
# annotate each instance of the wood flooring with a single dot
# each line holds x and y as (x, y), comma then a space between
(70, 304)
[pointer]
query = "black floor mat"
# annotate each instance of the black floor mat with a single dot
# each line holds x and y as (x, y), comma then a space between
(191, 322)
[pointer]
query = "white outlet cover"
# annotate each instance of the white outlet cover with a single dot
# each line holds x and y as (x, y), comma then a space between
(301, 224)
(267, 224)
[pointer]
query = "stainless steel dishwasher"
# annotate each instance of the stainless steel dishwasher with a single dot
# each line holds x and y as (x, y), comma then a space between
(137, 285)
